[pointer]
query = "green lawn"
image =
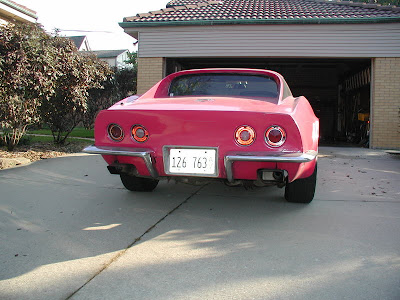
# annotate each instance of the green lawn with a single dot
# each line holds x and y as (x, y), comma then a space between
(78, 132)
(49, 139)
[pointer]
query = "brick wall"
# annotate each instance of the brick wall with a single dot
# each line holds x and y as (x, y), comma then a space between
(385, 119)
(150, 71)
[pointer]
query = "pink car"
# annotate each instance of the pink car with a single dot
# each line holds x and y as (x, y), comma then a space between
(239, 126)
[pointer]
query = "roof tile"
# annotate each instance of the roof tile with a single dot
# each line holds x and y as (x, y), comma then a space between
(210, 10)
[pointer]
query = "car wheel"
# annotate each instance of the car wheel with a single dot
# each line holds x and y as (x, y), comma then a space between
(138, 184)
(302, 190)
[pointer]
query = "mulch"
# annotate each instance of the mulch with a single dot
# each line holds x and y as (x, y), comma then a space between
(38, 151)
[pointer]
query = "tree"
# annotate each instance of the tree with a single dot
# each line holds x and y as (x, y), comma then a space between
(117, 87)
(26, 77)
(132, 59)
(46, 74)
(100, 99)
(77, 73)
(126, 82)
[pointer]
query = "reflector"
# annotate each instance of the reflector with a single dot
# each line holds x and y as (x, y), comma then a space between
(244, 135)
(275, 136)
(115, 132)
(140, 133)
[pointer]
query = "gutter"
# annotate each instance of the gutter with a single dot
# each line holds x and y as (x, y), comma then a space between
(259, 21)
(19, 8)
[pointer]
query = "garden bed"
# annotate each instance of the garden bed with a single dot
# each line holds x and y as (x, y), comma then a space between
(38, 150)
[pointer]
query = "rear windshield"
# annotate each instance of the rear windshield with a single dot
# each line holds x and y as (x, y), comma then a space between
(224, 85)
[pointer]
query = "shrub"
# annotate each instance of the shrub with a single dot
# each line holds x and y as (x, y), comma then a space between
(117, 87)
(77, 73)
(43, 78)
(26, 77)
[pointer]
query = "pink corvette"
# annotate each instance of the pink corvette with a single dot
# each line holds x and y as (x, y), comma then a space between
(239, 126)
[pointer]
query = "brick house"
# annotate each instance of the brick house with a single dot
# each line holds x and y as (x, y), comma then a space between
(343, 56)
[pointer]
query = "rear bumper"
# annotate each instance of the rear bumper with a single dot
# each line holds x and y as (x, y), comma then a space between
(145, 154)
(263, 157)
(229, 159)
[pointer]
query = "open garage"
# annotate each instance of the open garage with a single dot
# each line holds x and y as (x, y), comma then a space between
(343, 57)
(338, 89)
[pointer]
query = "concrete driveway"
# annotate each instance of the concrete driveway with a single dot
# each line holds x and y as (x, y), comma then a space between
(69, 230)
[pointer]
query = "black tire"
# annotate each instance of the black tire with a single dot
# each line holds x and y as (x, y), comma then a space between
(138, 184)
(302, 190)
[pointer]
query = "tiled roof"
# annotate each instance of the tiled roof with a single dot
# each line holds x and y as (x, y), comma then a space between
(265, 11)
(186, 2)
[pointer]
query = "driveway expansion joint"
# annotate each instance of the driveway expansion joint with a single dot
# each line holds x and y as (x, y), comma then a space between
(122, 252)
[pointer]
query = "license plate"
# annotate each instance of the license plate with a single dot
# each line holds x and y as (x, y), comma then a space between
(193, 162)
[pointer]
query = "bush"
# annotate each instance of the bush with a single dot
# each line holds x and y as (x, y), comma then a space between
(79, 73)
(46, 74)
(26, 77)
(117, 87)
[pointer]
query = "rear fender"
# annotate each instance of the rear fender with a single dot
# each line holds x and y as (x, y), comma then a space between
(307, 123)
(308, 126)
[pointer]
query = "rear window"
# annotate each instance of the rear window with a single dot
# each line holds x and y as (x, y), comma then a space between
(224, 85)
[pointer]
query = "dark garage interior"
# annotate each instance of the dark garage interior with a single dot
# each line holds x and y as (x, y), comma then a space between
(338, 89)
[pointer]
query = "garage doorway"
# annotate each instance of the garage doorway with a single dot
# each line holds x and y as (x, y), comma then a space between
(339, 90)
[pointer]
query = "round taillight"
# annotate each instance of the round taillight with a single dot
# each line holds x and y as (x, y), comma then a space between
(139, 133)
(275, 136)
(115, 132)
(245, 135)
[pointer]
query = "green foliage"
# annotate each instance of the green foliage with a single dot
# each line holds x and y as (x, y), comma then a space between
(115, 88)
(25, 140)
(132, 59)
(78, 132)
(126, 82)
(43, 78)
(100, 99)
(77, 74)
(26, 77)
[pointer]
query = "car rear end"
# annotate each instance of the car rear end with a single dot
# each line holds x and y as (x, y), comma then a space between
(224, 144)
(244, 137)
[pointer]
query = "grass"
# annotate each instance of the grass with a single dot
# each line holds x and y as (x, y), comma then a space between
(49, 139)
(42, 138)
(78, 132)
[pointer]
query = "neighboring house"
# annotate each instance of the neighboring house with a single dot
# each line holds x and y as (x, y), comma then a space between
(11, 11)
(114, 58)
(343, 56)
(81, 42)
